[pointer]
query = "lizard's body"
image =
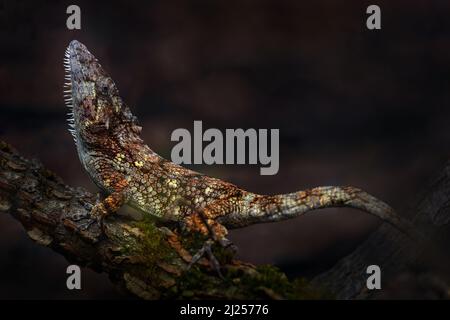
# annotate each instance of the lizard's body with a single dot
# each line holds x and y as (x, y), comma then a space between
(118, 161)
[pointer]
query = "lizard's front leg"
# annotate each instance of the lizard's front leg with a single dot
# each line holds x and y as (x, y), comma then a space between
(109, 205)
(102, 209)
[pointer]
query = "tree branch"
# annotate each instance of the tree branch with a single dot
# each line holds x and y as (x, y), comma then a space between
(394, 252)
(150, 261)
(147, 260)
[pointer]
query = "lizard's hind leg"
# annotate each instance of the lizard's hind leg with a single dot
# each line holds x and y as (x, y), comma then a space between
(199, 222)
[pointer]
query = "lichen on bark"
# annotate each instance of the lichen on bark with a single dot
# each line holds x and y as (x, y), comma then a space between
(148, 260)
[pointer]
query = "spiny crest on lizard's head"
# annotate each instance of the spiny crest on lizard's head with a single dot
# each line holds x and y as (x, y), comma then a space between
(96, 109)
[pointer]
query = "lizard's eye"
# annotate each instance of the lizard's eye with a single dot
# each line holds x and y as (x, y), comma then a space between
(104, 89)
(99, 127)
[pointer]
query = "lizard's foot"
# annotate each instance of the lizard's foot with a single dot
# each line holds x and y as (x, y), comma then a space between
(83, 226)
(104, 208)
(206, 250)
(203, 222)
(97, 214)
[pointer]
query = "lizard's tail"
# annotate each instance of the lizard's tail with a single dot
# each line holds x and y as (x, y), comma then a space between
(259, 208)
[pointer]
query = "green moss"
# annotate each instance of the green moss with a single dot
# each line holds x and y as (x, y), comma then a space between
(270, 277)
(195, 279)
(149, 246)
(152, 245)
(264, 282)
(271, 282)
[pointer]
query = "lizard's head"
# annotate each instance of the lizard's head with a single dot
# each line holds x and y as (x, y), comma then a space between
(97, 111)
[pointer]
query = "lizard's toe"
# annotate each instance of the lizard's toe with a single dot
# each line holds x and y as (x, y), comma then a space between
(98, 214)
(206, 250)
(95, 216)
(86, 225)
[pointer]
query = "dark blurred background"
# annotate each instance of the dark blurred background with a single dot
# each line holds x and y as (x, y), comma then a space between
(354, 107)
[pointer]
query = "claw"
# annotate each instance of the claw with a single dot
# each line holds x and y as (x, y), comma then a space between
(206, 249)
(96, 215)
(85, 226)
(203, 223)
(225, 243)
(78, 218)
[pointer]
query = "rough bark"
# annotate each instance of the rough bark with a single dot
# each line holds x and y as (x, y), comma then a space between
(150, 261)
(398, 255)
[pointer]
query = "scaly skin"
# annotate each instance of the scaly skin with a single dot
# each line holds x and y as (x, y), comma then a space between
(118, 161)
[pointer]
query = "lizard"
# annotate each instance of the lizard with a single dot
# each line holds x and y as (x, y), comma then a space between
(109, 146)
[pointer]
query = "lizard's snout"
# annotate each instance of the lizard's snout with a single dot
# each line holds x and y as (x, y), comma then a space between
(76, 47)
